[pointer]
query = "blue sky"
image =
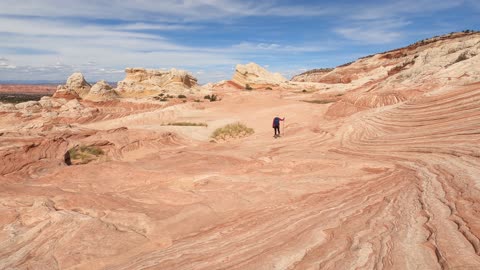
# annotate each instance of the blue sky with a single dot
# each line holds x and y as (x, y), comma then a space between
(50, 39)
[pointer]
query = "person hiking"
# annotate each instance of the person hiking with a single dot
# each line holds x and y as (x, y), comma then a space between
(276, 125)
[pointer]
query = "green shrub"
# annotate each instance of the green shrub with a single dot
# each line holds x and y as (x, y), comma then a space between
(236, 130)
(182, 96)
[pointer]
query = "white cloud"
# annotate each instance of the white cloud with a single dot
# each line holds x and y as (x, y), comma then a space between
(166, 10)
(392, 9)
(374, 31)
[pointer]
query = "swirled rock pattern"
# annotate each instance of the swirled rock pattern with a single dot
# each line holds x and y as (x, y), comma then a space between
(391, 186)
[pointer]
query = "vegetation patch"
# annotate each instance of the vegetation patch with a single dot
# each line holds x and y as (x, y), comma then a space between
(236, 130)
(182, 96)
(83, 154)
(187, 124)
(320, 101)
(248, 87)
(18, 98)
(212, 97)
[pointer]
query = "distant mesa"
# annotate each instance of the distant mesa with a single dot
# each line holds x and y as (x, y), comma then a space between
(256, 76)
(146, 81)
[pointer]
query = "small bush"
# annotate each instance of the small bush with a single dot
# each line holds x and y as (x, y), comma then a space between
(182, 96)
(212, 97)
(304, 91)
(248, 87)
(236, 130)
(83, 154)
(269, 88)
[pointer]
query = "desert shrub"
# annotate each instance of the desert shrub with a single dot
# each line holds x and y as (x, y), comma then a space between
(212, 97)
(187, 124)
(83, 154)
(182, 96)
(269, 88)
(236, 130)
(304, 91)
(248, 87)
(197, 100)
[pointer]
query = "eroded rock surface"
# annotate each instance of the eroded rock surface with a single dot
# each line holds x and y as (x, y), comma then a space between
(101, 91)
(140, 81)
(392, 184)
(255, 76)
(75, 87)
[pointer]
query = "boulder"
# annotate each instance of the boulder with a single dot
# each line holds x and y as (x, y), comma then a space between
(101, 91)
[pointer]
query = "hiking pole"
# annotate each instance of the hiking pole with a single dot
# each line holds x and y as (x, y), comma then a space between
(283, 126)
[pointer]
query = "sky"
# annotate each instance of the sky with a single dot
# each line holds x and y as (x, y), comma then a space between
(50, 39)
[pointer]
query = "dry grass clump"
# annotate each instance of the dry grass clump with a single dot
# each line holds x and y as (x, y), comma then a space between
(319, 101)
(84, 154)
(236, 130)
(187, 124)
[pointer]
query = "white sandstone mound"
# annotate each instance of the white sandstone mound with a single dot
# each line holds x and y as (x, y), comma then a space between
(74, 109)
(75, 87)
(253, 74)
(140, 81)
(101, 91)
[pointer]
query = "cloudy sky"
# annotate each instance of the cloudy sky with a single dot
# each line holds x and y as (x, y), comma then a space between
(50, 39)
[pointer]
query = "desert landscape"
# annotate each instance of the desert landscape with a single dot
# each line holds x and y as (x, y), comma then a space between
(378, 167)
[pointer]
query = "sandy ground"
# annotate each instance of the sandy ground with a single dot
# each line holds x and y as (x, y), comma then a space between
(390, 188)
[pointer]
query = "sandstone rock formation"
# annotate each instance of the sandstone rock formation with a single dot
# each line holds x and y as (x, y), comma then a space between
(101, 91)
(75, 87)
(256, 76)
(140, 81)
(314, 75)
(383, 187)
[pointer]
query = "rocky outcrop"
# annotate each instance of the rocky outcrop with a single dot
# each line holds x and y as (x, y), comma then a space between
(101, 91)
(255, 76)
(311, 75)
(75, 87)
(140, 81)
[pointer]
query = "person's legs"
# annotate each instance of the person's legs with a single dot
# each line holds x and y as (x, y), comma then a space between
(277, 130)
